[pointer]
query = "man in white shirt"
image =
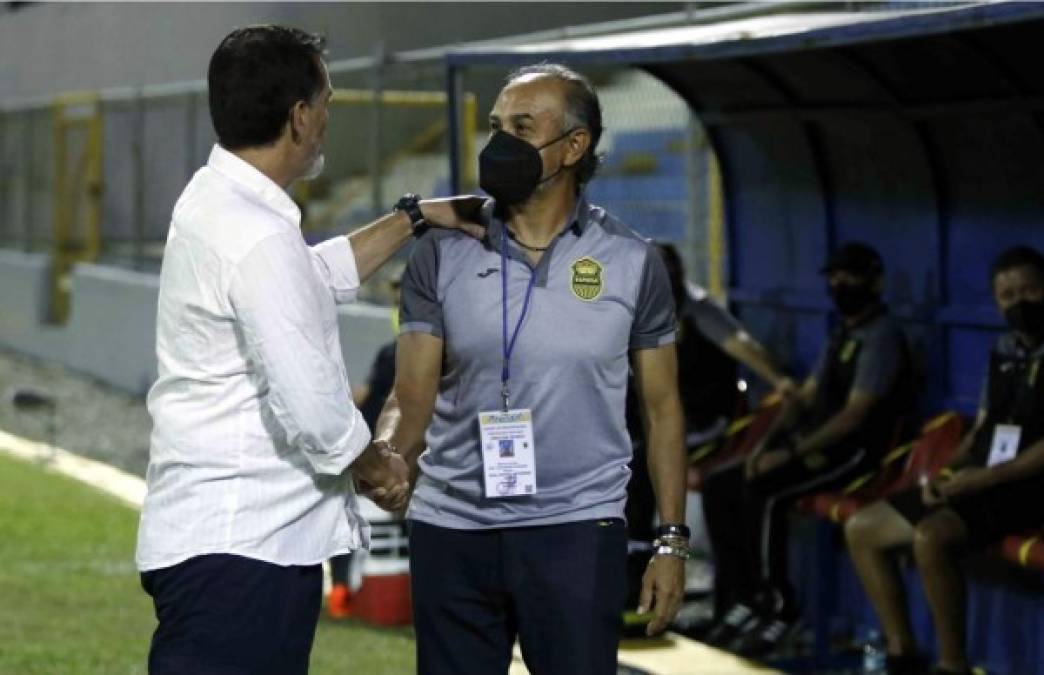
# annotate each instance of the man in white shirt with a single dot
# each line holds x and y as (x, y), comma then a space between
(256, 438)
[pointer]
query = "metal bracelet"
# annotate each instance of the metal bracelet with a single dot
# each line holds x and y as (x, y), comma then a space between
(386, 445)
(677, 551)
(671, 540)
(673, 530)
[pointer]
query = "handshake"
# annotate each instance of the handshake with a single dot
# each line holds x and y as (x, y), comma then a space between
(381, 474)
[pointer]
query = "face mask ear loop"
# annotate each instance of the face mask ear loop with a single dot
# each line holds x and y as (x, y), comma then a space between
(550, 143)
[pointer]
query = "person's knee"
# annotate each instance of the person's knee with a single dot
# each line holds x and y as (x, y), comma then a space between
(937, 536)
(860, 530)
(869, 527)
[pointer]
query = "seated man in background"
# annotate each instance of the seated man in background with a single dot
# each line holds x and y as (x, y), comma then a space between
(991, 488)
(841, 422)
(710, 343)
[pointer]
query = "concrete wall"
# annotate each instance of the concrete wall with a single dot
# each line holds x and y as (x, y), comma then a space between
(111, 331)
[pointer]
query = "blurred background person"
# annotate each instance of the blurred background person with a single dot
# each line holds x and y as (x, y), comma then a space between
(711, 343)
(842, 421)
(991, 488)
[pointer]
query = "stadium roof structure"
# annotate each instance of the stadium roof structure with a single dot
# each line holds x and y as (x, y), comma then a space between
(921, 61)
(919, 129)
(758, 35)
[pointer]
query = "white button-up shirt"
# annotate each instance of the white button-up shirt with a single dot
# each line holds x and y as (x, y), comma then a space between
(253, 420)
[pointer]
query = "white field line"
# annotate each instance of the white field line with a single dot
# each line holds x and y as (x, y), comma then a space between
(674, 655)
(125, 487)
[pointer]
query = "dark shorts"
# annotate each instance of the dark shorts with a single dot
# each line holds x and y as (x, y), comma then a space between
(989, 515)
(229, 615)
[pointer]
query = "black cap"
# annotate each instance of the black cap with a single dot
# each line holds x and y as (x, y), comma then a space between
(855, 257)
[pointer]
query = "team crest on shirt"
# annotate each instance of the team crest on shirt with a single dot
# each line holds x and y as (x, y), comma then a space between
(588, 279)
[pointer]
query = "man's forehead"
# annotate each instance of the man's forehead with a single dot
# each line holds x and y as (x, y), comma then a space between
(1018, 276)
(532, 94)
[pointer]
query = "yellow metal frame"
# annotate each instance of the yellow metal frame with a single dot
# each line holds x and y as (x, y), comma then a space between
(413, 99)
(81, 110)
(424, 99)
(715, 229)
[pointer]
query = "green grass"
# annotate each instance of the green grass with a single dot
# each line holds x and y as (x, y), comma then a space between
(70, 601)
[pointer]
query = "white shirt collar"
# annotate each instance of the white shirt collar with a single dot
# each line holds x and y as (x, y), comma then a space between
(258, 184)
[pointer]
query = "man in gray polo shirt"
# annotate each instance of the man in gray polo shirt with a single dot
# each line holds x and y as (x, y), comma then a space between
(517, 516)
(839, 425)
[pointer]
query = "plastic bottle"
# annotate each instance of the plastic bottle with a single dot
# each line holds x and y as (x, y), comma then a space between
(875, 657)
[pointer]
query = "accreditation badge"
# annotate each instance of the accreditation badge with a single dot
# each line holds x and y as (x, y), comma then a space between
(1005, 444)
(508, 458)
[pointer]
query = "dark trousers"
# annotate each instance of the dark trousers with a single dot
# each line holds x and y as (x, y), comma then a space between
(747, 523)
(229, 615)
(560, 589)
(341, 569)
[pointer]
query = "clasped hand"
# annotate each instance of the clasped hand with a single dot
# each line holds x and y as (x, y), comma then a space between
(382, 475)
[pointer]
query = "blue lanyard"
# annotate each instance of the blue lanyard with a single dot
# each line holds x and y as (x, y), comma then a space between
(509, 345)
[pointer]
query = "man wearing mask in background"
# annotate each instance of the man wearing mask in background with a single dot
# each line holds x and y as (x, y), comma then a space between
(515, 351)
(711, 343)
(991, 488)
(840, 424)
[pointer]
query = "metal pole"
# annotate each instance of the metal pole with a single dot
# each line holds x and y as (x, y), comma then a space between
(376, 140)
(28, 210)
(138, 154)
(469, 158)
(5, 181)
(453, 94)
(715, 229)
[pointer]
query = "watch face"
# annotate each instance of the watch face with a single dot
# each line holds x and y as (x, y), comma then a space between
(406, 202)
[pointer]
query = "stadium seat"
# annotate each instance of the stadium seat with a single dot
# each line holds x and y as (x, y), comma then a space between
(1025, 550)
(925, 456)
(738, 440)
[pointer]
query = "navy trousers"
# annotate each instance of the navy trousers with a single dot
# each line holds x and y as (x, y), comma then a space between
(560, 589)
(229, 615)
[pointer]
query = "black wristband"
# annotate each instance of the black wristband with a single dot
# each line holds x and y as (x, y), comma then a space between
(410, 203)
(673, 530)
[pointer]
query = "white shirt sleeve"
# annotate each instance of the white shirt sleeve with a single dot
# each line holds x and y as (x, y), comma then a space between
(276, 298)
(334, 260)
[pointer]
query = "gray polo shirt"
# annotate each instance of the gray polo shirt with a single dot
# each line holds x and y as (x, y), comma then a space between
(881, 356)
(1007, 344)
(600, 292)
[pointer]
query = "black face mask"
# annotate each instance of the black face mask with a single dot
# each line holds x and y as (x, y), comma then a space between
(510, 168)
(851, 299)
(1027, 317)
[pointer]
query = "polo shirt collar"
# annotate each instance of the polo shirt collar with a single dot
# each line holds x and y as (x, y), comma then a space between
(579, 221)
(1022, 351)
(257, 185)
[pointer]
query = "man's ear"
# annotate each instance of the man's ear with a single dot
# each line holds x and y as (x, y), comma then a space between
(297, 120)
(576, 146)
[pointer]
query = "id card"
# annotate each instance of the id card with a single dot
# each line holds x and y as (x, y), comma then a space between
(508, 462)
(1005, 444)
